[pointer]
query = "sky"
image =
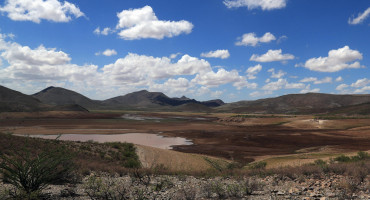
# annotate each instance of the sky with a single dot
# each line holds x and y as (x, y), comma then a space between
(228, 49)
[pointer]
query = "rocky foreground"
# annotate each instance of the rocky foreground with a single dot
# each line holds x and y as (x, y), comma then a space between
(141, 186)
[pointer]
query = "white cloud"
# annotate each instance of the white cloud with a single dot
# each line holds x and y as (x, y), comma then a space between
(253, 4)
(316, 80)
(342, 87)
(143, 23)
(360, 17)
(271, 56)
(24, 55)
(222, 53)
(339, 79)
(173, 86)
(221, 77)
(105, 31)
(216, 94)
(253, 71)
(42, 64)
(107, 52)
(282, 84)
(277, 85)
(250, 39)
(308, 79)
(337, 60)
(37, 10)
(142, 69)
(279, 74)
(174, 55)
(242, 83)
(308, 89)
(361, 83)
(362, 90)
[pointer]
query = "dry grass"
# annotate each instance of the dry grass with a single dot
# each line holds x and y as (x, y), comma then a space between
(173, 161)
(87, 156)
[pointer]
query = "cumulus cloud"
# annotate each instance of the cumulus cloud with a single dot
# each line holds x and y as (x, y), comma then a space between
(253, 71)
(223, 54)
(360, 86)
(42, 64)
(361, 83)
(143, 23)
(339, 79)
(279, 74)
(37, 10)
(104, 31)
(250, 39)
(24, 55)
(253, 4)
(173, 86)
(271, 56)
(220, 77)
(360, 17)
(282, 84)
(341, 87)
(308, 89)
(337, 60)
(316, 80)
(107, 52)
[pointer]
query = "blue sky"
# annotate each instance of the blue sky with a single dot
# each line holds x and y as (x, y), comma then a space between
(228, 49)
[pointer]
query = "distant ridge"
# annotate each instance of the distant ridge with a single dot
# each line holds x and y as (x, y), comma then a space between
(61, 96)
(145, 98)
(296, 104)
(56, 98)
(136, 100)
(14, 101)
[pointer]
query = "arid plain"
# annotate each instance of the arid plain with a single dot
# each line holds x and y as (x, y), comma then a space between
(277, 139)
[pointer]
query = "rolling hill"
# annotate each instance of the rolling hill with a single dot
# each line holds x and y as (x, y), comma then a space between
(145, 99)
(60, 96)
(14, 101)
(55, 98)
(296, 104)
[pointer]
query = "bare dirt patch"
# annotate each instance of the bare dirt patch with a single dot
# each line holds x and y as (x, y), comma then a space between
(235, 141)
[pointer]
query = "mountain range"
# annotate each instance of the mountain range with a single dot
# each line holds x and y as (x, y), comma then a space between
(57, 98)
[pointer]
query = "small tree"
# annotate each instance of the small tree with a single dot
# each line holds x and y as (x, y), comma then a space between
(32, 173)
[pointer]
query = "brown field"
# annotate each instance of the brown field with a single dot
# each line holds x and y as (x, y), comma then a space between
(278, 140)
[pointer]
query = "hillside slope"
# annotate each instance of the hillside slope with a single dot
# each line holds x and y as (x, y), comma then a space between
(296, 103)
(14, 101)
(60, 96)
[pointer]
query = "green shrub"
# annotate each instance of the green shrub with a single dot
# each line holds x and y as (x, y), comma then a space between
(258, 165)
(342, 158)
(31, 173)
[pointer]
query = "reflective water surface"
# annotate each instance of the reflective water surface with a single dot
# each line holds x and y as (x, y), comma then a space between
(146, 139)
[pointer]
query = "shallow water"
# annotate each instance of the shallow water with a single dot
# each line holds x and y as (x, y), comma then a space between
(146, 139)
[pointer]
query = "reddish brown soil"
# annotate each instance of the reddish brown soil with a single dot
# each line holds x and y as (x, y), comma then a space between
(240, 143)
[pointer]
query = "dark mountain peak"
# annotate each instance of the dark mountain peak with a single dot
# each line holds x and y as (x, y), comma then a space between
(141, 91)
(61, 96)
(48, 88)
(213, 103)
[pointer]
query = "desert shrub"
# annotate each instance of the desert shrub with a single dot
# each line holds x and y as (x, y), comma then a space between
(359, 157)
(342, 158)
(188, 193)
(251, 185)
(322, 164)
(258, 165)
(31, 173)
(218, 188)
(106, 188)
(234, 190)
